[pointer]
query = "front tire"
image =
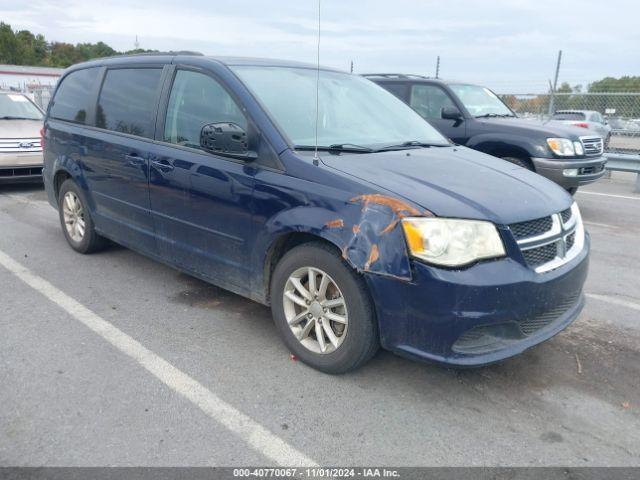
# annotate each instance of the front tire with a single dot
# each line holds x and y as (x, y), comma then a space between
(75, 219)
(323, 310)
(521, 162)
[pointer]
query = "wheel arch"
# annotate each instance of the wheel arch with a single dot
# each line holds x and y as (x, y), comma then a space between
(283, 243)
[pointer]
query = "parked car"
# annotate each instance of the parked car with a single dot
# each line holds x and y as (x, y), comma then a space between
(589, 119)
(474, 116)
(20, 149)
(353, 218)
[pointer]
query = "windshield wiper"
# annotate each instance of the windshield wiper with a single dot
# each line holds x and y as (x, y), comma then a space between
(337, 147)
(411, 144)
(494, 115)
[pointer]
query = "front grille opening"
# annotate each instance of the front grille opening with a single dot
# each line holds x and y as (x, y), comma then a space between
(489, 338)
(566, 215)
(538, 322)
(571, 239)
(20, 172)
(590, 170)
(540, 255)
(531, 228)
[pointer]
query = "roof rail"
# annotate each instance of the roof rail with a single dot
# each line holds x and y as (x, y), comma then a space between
(170, 52)
(394, 75)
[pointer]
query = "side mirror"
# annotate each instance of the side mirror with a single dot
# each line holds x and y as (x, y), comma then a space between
(225, 138)
(450, 113)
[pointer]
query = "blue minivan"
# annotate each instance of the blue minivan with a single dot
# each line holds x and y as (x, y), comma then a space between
(318, 193)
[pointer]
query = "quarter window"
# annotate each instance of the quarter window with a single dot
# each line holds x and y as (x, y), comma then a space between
(195, 101)
(128, 101)
(73, 96)
(429, 100)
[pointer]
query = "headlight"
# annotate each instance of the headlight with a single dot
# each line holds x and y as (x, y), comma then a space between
(451, 242)
(561, 146)
(578, 148)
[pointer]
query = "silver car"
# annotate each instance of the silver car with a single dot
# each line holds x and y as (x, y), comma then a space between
(589, 119)
(20, 142)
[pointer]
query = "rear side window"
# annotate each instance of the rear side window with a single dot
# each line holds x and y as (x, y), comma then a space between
(398, 89)
(127, 101)
(74, 96)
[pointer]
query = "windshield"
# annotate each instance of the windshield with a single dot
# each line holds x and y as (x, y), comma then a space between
(352, 110)
(480, 101)
(15, 106)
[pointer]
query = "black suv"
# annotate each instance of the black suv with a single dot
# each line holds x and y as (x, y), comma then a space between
(474, 116)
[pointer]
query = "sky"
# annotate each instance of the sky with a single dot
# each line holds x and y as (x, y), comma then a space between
(509, 45)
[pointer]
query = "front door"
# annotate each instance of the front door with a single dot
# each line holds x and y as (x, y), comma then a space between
(429, 100)
(201, 202)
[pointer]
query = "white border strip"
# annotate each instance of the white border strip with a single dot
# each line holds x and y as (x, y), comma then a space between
(614, 300)
(255, 435)
(607, 195)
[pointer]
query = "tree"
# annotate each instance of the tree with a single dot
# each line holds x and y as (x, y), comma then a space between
(25, 48)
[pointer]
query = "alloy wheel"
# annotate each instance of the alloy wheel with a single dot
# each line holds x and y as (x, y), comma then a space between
(315, 310)
(73, 215)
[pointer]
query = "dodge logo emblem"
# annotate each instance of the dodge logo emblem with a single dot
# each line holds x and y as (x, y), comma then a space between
(26, 145)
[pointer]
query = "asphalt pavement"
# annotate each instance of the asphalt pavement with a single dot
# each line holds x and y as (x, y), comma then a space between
(115, 359)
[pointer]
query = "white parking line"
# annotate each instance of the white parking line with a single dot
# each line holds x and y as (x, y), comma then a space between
(596, 224)
(614, 300)
(251, 432)
(608, 195)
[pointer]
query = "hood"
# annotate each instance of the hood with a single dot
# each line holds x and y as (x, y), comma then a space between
(545, 129)
(20, 128)
(457, 182)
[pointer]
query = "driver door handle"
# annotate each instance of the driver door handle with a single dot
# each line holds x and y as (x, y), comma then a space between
(134, 160)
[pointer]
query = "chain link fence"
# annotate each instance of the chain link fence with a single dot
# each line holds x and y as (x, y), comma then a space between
(619, 111)
(41, 95)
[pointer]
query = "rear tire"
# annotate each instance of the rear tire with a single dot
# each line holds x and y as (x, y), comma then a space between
(75, 219)
(521, 162)
(352, 341)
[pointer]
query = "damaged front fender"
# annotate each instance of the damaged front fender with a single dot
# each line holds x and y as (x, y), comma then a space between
(366, 228)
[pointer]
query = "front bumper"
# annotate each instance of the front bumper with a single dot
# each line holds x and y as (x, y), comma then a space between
(479, 315)
(20, 167)
(590, 169)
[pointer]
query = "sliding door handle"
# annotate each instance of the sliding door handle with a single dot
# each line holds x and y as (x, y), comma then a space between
(163, 165)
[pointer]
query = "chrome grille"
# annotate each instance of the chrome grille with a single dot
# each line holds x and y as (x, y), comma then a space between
(593, 146)
(20, 145)
(538, 256)
(550, 242)
(531, 228)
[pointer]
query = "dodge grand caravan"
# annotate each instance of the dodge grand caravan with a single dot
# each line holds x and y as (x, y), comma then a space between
(386, 235)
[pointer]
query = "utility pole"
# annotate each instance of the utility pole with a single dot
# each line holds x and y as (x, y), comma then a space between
(351, 69)
(136, 44)
(552, 100)
(438, 67)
